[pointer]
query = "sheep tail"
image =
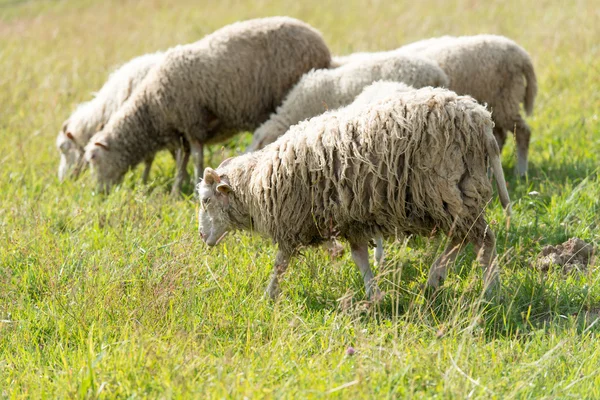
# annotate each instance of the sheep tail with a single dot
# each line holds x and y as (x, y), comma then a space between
(531, 84)
(494, 156)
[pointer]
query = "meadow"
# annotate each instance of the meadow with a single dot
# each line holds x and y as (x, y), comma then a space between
(116, 296)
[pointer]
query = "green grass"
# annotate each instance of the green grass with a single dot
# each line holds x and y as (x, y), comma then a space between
(117, 297)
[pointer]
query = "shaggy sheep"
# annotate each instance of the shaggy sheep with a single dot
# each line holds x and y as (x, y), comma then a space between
(493, 69)
(91, 116)
(413, 163)
(207, 91)
(325, 89)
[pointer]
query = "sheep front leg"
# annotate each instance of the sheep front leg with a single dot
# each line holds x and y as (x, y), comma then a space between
(439, 269)
(147, 165)
(500, 135)
(282, 261)
(360, 255)
(182, 157)
(198, 156)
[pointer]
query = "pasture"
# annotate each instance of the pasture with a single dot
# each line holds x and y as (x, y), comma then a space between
(117, 296)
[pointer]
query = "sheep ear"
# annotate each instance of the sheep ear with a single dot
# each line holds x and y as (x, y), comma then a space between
(102, 144)
(211, 176)
(225, 162)
(224, 188)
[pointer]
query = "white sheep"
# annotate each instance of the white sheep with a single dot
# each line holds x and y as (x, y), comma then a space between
(412, 163)
(327, 89)
(90, 117)
(493, 69)
(229, 81)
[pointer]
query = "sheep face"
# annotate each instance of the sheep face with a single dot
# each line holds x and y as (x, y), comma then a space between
(71, 154)
(214, 221)
(105, 164)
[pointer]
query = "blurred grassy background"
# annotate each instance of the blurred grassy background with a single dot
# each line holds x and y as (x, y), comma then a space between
(116, 296)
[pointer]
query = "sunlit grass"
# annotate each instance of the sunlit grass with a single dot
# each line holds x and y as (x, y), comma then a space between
(116, 296)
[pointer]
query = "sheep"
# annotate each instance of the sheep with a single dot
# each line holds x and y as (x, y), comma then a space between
(326, 89)
(493, 69)
(207, 91)
(412, 163)
(91, 116)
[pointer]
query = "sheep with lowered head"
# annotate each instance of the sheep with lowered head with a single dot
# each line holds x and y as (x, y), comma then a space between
(91, 116)
(229, 81)
(326, 89)
(493, 69)
(413, 163)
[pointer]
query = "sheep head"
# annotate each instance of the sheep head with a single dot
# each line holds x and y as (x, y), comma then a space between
(214, 194)
(106, 163)
(71, 153)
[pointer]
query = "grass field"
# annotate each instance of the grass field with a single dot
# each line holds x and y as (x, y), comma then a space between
(116, 296)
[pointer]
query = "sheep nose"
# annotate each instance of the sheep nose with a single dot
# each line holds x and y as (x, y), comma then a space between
(203, 236)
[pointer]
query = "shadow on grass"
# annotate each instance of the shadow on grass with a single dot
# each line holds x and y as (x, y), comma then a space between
(547, 171)
(528, 302)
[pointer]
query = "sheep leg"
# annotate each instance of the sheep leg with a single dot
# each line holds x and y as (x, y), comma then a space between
(147, 165)
(378, 254)
(282, 261)
(439, 269)
(486, 255)
(522, 138)
(198, 156)
(334, 248)
(500, 135)
(360, 255)
(182, 157)
(185, 154)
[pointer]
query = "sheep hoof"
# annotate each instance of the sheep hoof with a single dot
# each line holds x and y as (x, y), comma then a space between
(175, 193)
(273, 292)
(335, 249)
(375, 295)
(492, 290)
(435, 281)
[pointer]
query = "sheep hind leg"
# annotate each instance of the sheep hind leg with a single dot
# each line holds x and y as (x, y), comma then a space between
(360, 255)
(147, 166)
(522, 138)
(486, 255)
(439, 268)
(182, 157)
(378, 253)
(282, 261)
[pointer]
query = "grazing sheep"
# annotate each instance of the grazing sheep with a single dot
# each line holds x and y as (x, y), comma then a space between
(413, 163)
(493, 69)
(326, 89)
(378, 91)
(228, 82)
(91, 116)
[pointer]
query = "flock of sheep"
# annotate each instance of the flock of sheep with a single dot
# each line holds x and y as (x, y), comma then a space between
(361, 147)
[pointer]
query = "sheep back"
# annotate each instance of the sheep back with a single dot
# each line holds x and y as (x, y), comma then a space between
(493, 69)
(409, 164)
(326, 89)
(236, 75)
